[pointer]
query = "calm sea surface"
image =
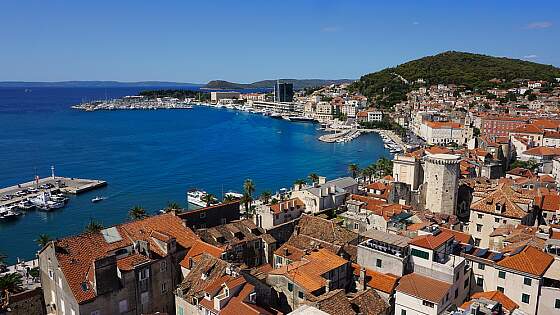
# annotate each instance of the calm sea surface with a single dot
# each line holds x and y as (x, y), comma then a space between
(149, 157)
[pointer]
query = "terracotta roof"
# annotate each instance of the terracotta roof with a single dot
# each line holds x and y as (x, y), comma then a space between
(461, 237)
(497, 296)
(519, 171)
(290, 252)
(528, 128)
(546, 123)
(334, 302)
(291, 204)
(307, 272)
(424, 288)
(552, 134)
(368, 302)
(549, 202)
(198, 248)
(530, 260)
(438, 150)
(206, 270)
(443, 124)
(76, 254)
(325, 230)
(379, 281)
(432, 241)
(506, 197)
(542, 151)
(129, 262)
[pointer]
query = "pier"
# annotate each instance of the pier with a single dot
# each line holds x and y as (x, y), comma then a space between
(14, 194)
(345, 136)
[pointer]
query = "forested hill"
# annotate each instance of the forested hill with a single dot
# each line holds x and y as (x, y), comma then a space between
(475, 71)
(298, 84)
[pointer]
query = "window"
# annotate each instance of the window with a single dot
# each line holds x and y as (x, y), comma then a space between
(479, 227)
(123, 306)
(479, 216)
(144, 273)
(525, 298)
(163, 266)
(419, 253)
(527, 281)
(144, 298)
(290, 287)
(497, 220)
(203, 215)
(477, 242)
(378, 263)
(224, 221)
(164, 287)
(557, 303)
(500, 289)
(300, 295)
(501, 274)
(51, 274)
(403, 312)
(481, 266)
(457, 276)
(479, 281)
(428, 303)
(356, 226)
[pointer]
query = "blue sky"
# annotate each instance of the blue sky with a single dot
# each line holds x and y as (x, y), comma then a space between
(245, 41)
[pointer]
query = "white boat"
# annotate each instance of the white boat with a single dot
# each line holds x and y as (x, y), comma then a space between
(8, 214)
(97, 199)
(233, 195)
(196, 197)
(25, 205)
(276, 115)
(43, 202)
(302, 119)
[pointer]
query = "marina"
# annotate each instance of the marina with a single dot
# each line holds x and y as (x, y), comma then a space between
(43, 194)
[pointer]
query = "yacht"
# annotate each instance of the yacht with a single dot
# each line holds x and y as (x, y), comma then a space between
(303, 119)
(25, 205)
(196, 196)
(276, 115)
(97, 199)
(8, 213)
(60, 198)
(233, 195)
(43, 202)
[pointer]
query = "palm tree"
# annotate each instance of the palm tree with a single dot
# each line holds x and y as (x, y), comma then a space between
(43, 240)
(249, 187)
(11, 282)
(172, 206)
(93, 226)
(265, 196)
(274, 201)
(209, 199)
(384, 166)
(137, 212)
(299, 183)
(246, 200)
(353, 169)
(313, 177)
(229, 198)
(367, 173)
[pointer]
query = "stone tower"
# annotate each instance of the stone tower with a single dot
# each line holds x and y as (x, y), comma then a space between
(442, 179)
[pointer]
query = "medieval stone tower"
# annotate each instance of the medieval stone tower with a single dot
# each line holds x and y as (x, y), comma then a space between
(442, 179)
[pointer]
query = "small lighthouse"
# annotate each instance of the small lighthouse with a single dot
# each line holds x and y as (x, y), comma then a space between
(52, 172)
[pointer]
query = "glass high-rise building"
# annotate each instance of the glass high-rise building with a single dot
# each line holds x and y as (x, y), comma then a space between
(284, 92)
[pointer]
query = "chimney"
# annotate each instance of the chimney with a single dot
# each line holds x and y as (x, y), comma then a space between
(190, 263)
(286, 251)
(362, 279)
(328, 286)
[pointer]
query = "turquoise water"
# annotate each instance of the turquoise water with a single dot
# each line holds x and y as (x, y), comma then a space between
(149, 157)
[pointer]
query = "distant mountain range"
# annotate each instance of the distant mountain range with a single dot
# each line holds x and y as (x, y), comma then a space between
(298, 84)
(22, 84)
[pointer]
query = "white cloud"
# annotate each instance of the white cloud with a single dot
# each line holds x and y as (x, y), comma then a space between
(415, 23)
(330, 29)
(539, 25)
(530, 57)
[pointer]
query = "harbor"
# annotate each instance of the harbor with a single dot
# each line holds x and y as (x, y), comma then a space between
(43, 194)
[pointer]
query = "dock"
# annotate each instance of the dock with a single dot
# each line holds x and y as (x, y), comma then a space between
(345, 136)
(67, 185)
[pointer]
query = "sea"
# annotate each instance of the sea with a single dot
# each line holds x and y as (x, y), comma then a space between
(149, 157)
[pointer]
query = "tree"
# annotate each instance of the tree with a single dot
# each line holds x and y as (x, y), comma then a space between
(229, 198)
(367, 173)
(248, 190)
(274, 201)
(93, 226)
(11, 282)
(531, 97)
(246, 200)
(353, 169)
(383, 167)
(43, 240)
(265, 196)
(313, 177)
(137, 212)
(209, 199)
(172, 206)
(299, 183)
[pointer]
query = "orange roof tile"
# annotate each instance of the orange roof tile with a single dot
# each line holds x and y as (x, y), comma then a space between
(497, 296)
(423, 287)
(542, 151)
(530, 260)
(377, 280)
(432, 241)
(527, 128)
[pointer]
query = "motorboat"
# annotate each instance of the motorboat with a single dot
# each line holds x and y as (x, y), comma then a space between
(8, 213)
(302, 119)
(97, 199)
(60, 198)
(233, 194)
(44, 202)
(25, 205)
(276, 115)
(196, 197)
